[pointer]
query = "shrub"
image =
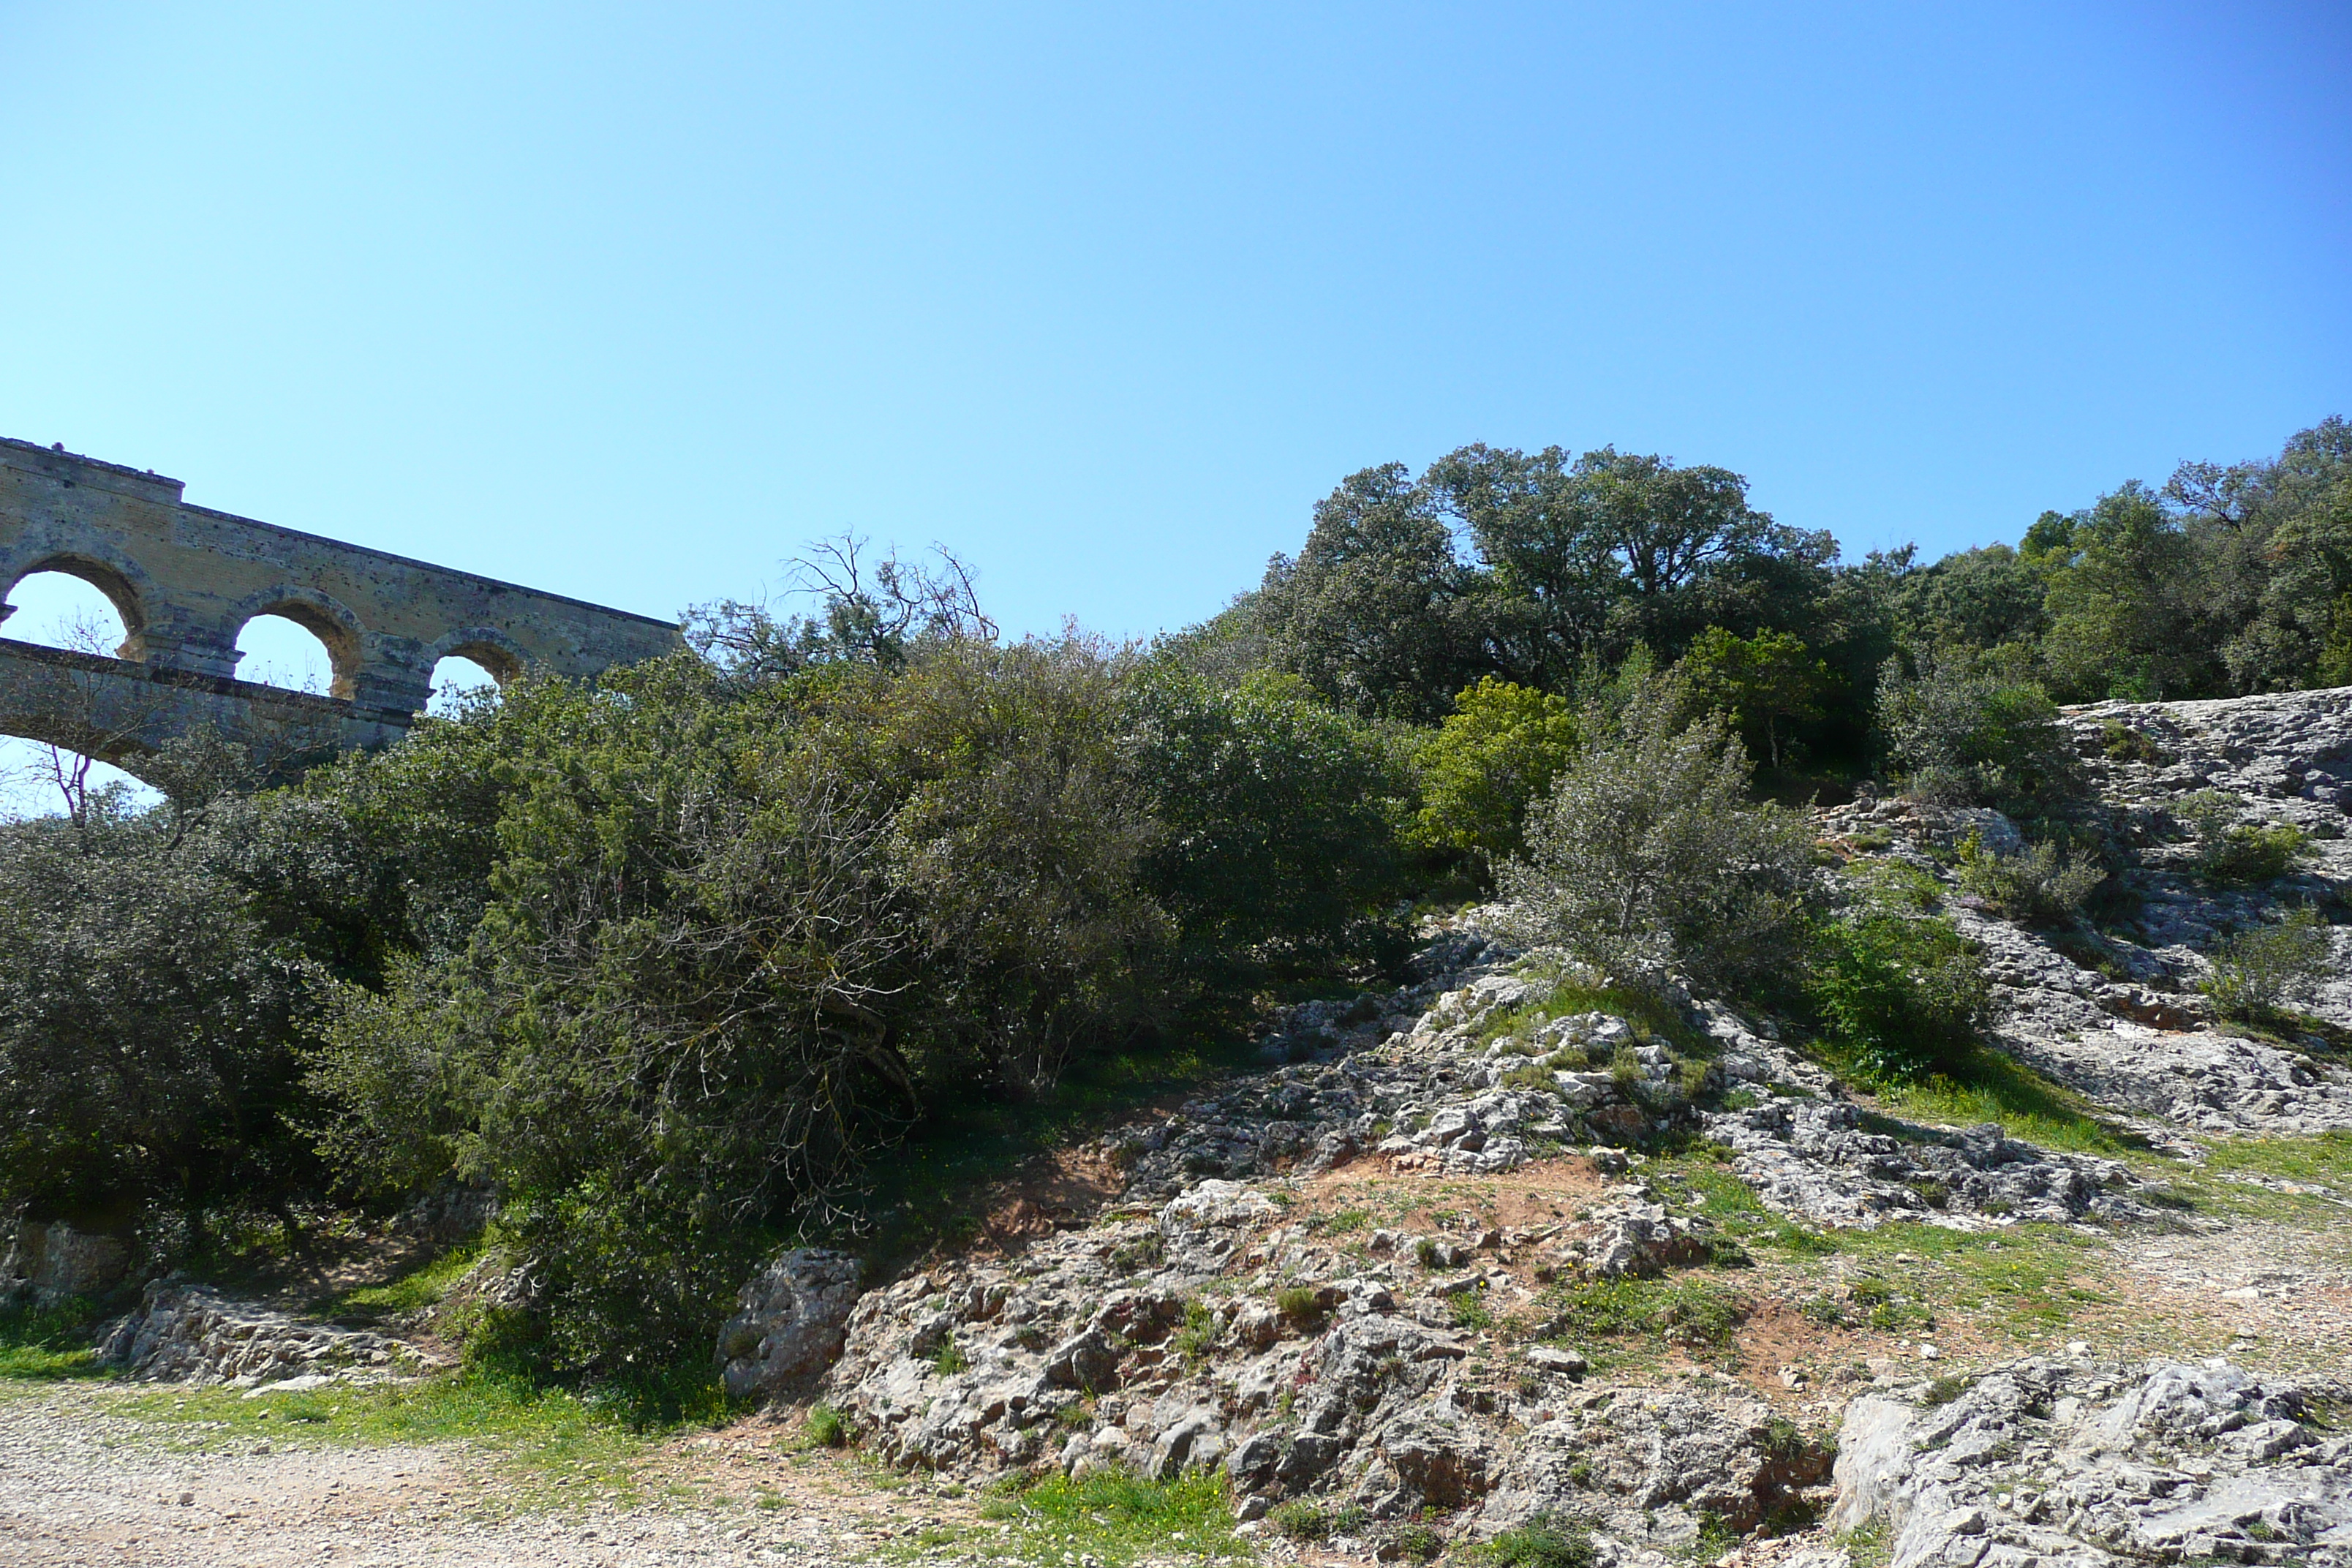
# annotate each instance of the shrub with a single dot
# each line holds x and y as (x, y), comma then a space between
(2122, 744)
(949, 1359)
(2040, 884)
(1196, 1334)
(1417, 1543)
(1274, 817)
(1648, 857)
(2259, 854)
(1904, 993)
(2232, 851)
(1315, 1518)
(1300, 1303)
(826, 1427)
(1971, 727)
(1547, 1541)
(2259, 972)
(1491, 758)
(153, 966)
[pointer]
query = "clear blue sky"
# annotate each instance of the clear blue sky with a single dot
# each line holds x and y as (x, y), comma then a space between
(627, 302)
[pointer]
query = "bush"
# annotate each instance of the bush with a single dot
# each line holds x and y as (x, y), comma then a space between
(2040, 884)
(826, 1428)
(1300, 1303)
(1315, 1518)
(738, 936)
(1491, 758)
(2259, 972)
(1547, 1541)
(1649, 858)
(2232, 851)
(1274, 817)
(1969, 727)
(153, 969)
(1905, 994)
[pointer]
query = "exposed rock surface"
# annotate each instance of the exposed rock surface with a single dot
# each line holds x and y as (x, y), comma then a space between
(2119, 1015)
(2046, 1462)
(192, 1333)
(790, 1322)
(55, 1263)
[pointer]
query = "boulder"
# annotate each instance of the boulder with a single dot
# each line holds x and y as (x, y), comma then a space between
(790, 1322)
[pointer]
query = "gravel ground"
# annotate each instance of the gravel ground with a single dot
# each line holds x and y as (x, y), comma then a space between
(79, 1484)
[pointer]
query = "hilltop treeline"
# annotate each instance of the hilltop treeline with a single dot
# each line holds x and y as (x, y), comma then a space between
(667, 961)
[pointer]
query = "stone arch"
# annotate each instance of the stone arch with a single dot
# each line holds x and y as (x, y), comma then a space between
(486, 646)
(320, 615)
(126, 587)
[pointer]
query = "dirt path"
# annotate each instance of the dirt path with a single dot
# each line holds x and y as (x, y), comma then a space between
(80, 1483)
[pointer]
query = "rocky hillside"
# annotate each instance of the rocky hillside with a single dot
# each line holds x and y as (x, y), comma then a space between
(1503, 1251)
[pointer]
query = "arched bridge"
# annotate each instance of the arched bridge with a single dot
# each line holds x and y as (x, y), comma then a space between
(186, 579)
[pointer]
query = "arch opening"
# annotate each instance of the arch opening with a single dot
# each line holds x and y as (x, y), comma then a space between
(461, 679)
(57, 606)
(278, 647)
(81, 607)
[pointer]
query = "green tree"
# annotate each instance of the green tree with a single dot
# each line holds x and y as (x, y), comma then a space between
(1495, 754)
(2123, 603)
(1762, 684)
(1376, 614)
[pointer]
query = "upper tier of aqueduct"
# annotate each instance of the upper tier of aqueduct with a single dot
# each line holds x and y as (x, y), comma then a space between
(186, 579)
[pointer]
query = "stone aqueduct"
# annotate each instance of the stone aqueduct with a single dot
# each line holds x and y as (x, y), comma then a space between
(186, 579)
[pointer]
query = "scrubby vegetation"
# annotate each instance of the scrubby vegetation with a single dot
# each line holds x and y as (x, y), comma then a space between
(669, 961)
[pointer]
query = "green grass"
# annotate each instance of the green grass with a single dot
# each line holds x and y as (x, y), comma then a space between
(1547, 1541)
(45, 1344)
(2325, 1159)
(2018, 1277)
(1689, 1310)
(419, 1288)
(1315, 1518)
(1119, 1518)
(1713, 1191)
(1995, 1088)
(555, 1442)
(2220, 1184)
(1650, 1018)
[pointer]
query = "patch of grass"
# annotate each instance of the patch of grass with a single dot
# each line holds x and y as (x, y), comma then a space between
(1469, 1310)
(1990, 1087)
(1119, 1517)
(826, 1428)
(1547, 1541)
(2325, 1159)
(559, 1445)
(419, 1288)
(2018, 1277)
(949, 1359)
(1650, 1018)
(1943, 1390)
(1689, 1310)
(44, 1344)
(1870, 1544)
